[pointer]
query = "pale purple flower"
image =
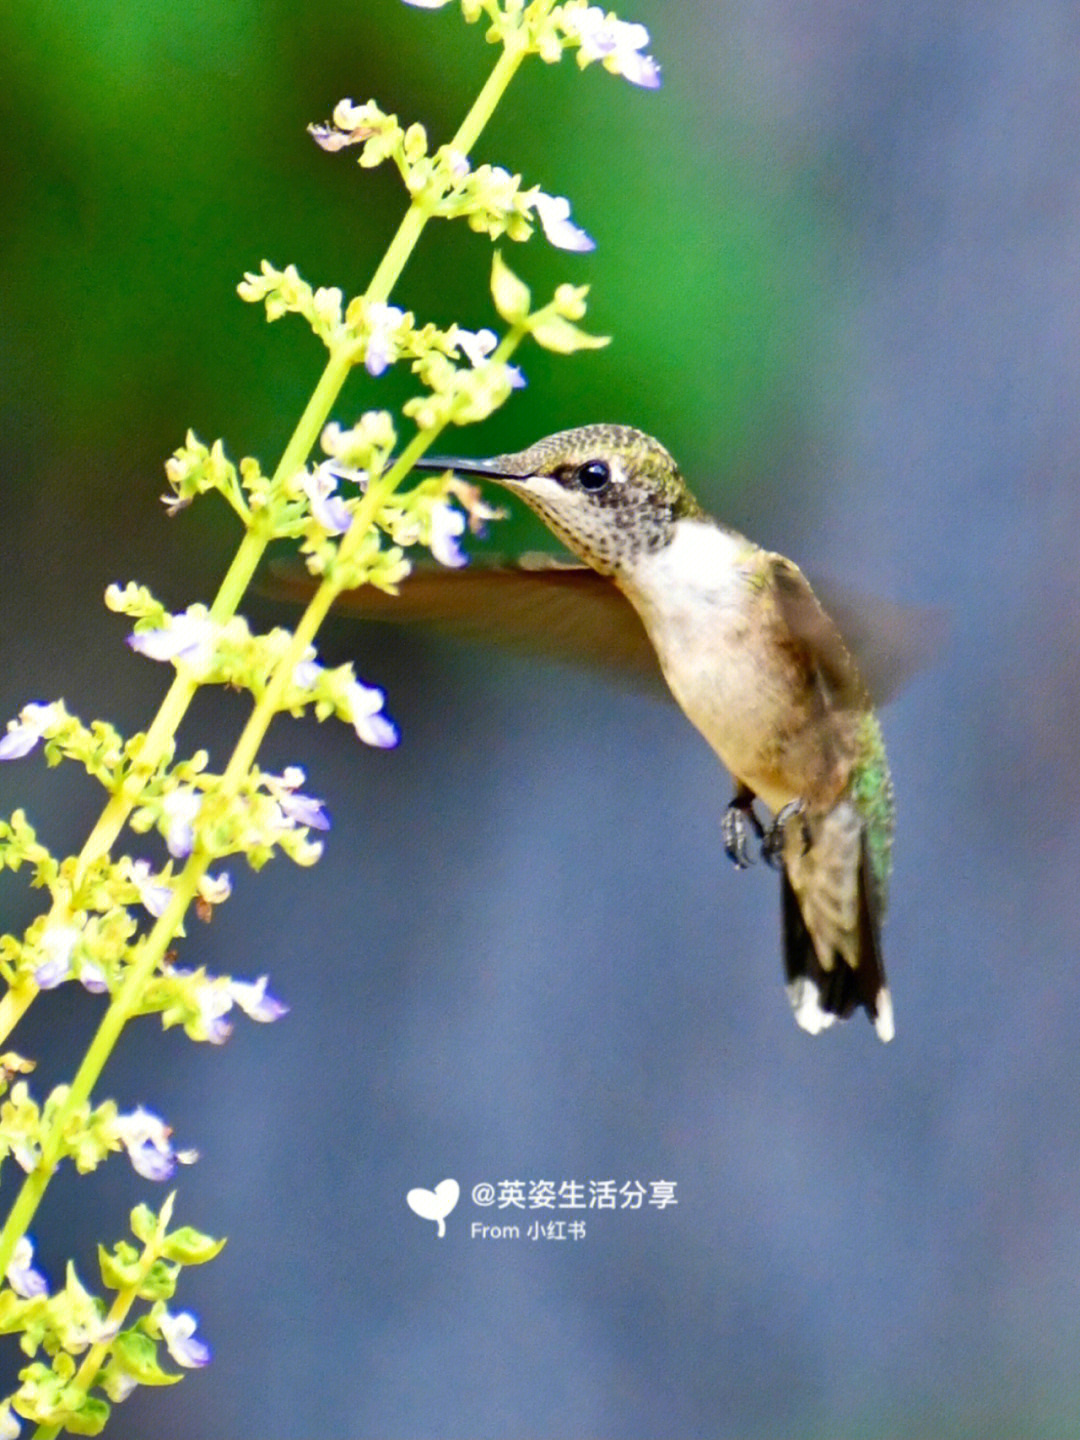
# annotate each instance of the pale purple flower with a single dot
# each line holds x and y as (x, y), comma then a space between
(153, 895)
(446, 525)
(179, 808)
(640, 69)
(21, 1275)
(92, 978)
(329, 139)
(173, 505)
(305, 810)
(516, 377)
(382, 347)
(214, 1002)
(327, 506)
(554, 214)
(297, 809)
(349, 127)
(146, 1138)
(617, 43)
(252, 997)
(365, 712)
(178, 1332)
(186, 637)
(57, 945)
(23, 734)
(427, 4)
(472, 501)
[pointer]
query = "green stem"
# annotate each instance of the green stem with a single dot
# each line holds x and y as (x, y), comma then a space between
(483, 107)
(468, 132)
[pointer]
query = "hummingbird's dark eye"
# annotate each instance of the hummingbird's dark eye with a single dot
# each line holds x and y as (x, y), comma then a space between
(594, 476)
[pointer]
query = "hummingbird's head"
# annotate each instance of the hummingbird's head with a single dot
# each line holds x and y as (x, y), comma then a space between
(607, 491)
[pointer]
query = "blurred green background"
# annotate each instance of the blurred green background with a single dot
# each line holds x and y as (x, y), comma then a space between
(156, 153)
(837, 256)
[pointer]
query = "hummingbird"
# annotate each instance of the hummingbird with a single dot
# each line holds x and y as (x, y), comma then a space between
(751, 657)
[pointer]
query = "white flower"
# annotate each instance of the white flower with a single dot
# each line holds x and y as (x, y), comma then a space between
(152, 894)
(446, 525)
(382, 347)
(215, 889)
(365, 712)
(183, 637)
(214, 1002)
(475, 346)
(306, 675)
(457, 162)
(179, 809)
(554, 213)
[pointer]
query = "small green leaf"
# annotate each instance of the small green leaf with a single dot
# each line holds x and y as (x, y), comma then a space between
(555, 333)
(190, 1246)
(136, 1355)
(159, 1283)
(510, 294)
(143, 1223)
(120, 1269)
(90, 1418)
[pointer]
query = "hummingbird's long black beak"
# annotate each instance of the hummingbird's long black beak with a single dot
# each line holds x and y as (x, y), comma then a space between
(492, 469)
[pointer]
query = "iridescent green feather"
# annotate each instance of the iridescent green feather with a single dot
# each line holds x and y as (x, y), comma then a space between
(872, 792)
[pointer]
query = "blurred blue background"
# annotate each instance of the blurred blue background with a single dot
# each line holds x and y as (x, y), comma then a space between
(838, 252)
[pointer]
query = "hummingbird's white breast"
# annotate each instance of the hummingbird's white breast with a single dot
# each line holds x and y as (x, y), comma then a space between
(701, 600)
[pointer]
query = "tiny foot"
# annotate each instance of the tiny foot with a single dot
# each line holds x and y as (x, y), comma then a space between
(772, 844)
(739, 820)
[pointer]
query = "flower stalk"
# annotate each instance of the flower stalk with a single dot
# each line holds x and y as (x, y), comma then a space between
(354, 522)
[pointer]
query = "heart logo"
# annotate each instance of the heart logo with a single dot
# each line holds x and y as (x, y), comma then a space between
(434, 1204)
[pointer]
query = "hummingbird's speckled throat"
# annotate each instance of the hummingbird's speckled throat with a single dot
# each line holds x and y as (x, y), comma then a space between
(761, 670)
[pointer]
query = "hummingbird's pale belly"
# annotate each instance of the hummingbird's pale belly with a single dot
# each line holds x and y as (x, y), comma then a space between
(727, 693)
(705, 618)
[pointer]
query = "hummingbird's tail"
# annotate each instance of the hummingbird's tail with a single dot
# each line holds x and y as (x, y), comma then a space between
(832, 940)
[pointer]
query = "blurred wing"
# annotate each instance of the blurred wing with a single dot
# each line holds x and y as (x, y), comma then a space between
(806, 621)
(891, 643)
(558, 609)
(539, 605)
(862, 645)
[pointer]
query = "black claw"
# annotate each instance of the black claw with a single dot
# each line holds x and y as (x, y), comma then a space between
(739, 820)
(772, 844)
